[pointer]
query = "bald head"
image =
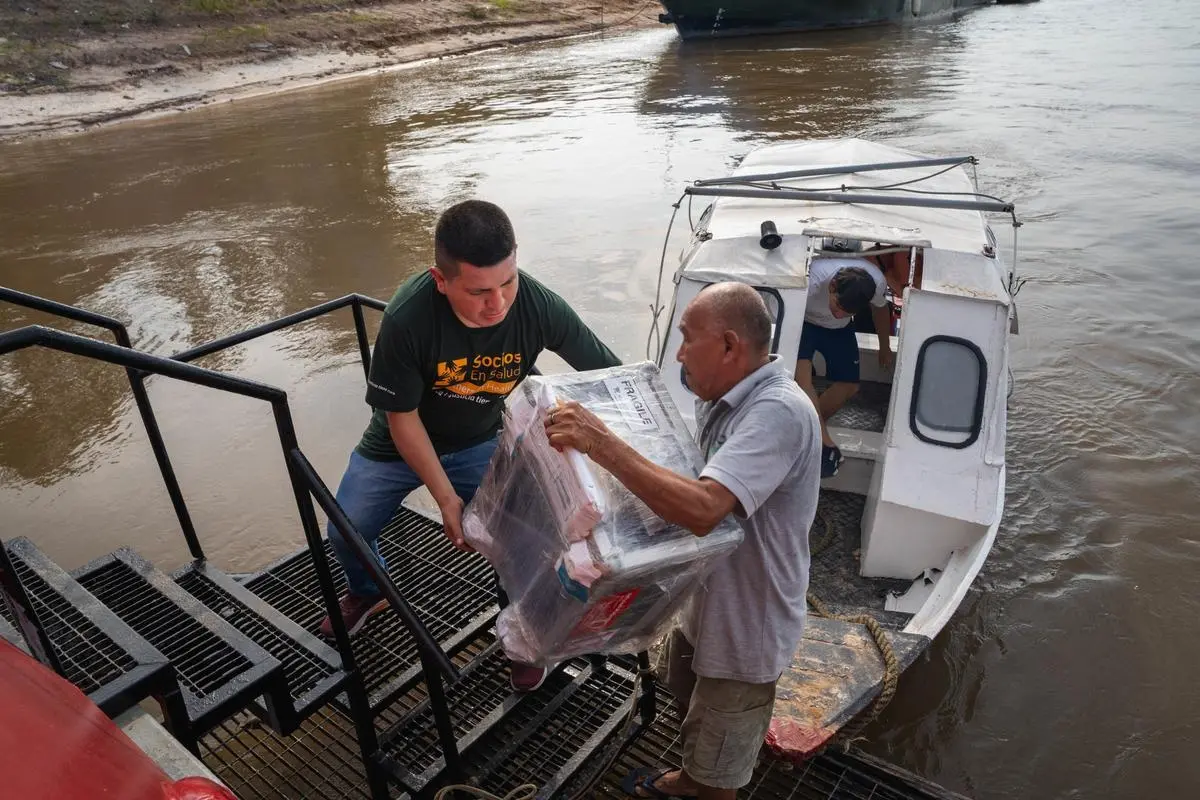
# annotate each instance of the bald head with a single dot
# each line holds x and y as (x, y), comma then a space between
(739, 308)
(726, 333)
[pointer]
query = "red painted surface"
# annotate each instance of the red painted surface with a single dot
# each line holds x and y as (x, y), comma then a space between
(790, 741)
(606, 612)
(54, 742)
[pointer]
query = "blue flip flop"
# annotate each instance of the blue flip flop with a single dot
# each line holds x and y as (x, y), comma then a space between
(644, 778)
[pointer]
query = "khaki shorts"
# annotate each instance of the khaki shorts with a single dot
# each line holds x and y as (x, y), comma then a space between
(724, 723)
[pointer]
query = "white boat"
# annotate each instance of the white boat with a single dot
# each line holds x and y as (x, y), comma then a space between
(906, 524)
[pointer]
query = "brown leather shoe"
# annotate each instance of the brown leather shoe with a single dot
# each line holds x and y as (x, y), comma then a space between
(355, 611)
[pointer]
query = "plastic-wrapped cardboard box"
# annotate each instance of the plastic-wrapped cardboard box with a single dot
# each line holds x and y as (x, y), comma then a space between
(587, 566)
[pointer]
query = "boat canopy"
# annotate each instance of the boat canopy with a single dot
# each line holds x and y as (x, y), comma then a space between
(864, 232)
(883, 170)
(742, 259)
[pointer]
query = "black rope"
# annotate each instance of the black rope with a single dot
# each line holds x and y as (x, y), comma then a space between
(655, 333)
(628, 19)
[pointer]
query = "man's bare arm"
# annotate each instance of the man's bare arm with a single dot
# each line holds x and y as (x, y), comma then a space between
(413, 444)
(698, 505)
(882, 316)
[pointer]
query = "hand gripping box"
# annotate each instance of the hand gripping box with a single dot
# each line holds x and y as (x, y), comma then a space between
(588, 568)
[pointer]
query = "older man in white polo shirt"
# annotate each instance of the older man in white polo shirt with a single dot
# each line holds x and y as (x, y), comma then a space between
(761, 441)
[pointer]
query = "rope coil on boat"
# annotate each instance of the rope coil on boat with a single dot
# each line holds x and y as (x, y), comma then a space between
(891, 666)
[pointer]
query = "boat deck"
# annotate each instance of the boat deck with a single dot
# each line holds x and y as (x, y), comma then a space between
(866, 411)
(834, 577)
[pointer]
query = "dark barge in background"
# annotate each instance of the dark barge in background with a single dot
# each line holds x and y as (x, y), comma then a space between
(698, 19)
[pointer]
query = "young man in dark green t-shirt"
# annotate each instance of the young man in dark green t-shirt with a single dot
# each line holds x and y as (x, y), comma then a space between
(453, 343)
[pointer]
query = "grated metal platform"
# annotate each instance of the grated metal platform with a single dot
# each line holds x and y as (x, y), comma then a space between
(320, 760)
(312, 669)
(833, 775)
(452, 592)
(834, 574)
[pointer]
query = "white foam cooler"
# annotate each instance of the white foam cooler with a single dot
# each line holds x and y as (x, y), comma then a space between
(588, 568)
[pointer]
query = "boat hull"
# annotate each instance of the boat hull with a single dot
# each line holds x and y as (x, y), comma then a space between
(702, 19)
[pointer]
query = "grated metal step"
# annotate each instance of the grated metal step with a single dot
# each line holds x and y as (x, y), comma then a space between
(867, 410)
(220, 671)
(312, 668)
(558, 738)
(109, 662)
(452, 592)
(478, 702)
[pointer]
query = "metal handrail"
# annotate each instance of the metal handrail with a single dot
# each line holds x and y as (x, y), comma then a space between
(846, 169)
(427, 646)
(847, 197)
(306, 485)
(302, 480)
(356, 301)
(141, 398)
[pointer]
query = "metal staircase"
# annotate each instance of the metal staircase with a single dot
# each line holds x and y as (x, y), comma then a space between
(423, 691)
(453, 591)
(311, 668)
(219, 670)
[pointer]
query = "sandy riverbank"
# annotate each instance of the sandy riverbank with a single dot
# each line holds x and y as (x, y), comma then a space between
(82, 63)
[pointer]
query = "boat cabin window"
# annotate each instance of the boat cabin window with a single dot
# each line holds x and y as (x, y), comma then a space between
(947, 400)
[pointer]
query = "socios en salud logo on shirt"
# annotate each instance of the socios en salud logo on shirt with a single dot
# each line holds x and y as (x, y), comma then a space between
(487, 374)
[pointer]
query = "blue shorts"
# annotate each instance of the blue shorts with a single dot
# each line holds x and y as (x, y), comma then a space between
(839, 346)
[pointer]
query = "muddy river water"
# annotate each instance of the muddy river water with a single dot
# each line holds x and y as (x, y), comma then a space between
(1069, 671)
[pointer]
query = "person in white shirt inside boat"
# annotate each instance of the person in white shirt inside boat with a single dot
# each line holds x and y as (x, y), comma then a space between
(839, 289)
(760, 438)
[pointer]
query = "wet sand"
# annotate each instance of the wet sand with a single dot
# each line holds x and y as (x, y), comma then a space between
(56, 79)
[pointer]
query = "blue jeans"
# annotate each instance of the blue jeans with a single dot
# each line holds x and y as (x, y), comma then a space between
(371, 492)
